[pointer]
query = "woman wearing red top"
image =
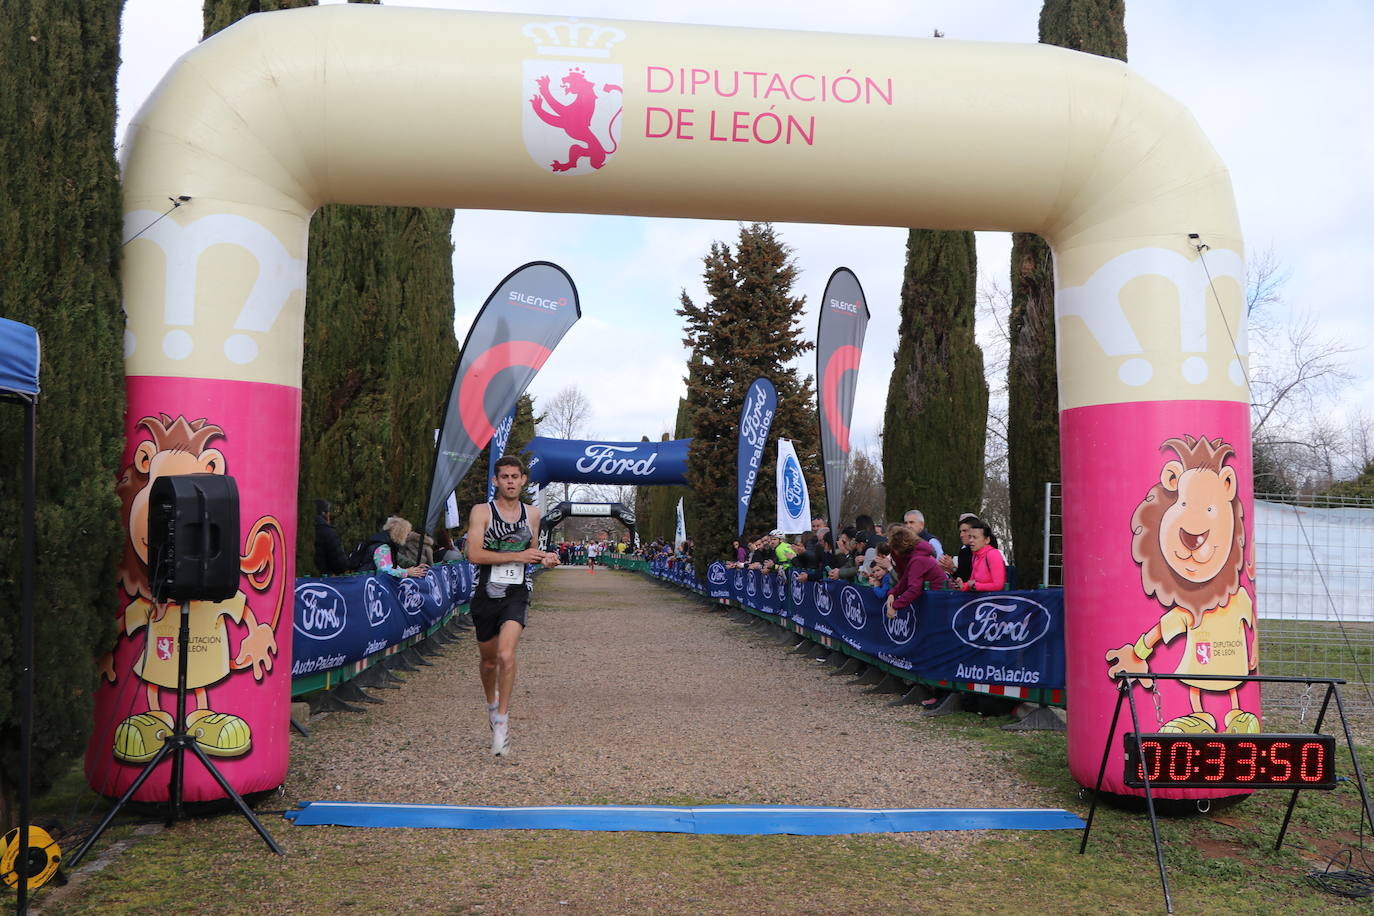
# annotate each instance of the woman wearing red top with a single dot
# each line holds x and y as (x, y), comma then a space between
(989, 566)
(914, 562)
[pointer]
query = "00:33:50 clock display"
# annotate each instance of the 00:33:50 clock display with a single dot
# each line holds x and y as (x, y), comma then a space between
(1231, 761)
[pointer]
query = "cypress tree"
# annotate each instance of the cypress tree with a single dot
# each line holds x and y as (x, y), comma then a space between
(60, 234)
(220, 14)
(749, 326)
(370, 403)
(666, 523)
(656, 507)
(1097, 27)
(644, 505)
(935, 423)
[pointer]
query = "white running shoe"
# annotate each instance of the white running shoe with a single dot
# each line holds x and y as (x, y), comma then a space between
(500, 738)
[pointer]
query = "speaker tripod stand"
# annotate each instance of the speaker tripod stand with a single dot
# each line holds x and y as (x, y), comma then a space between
(177, 744)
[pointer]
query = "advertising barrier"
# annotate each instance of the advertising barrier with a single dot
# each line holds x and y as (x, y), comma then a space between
(340, 620)
(1012, 640)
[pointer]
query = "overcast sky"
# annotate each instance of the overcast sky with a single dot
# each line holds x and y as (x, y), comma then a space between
(1276, 87)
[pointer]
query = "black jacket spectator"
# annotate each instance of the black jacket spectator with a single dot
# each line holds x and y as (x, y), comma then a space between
(814, 558)
(963, 567)
(330, 558)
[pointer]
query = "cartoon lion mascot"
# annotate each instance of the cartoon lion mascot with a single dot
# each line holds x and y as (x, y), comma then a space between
(181, 446)
(1188, 535)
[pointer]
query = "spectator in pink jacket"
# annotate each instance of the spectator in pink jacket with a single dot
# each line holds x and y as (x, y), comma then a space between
(989, 566)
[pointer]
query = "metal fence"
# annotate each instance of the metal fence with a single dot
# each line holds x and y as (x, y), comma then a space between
(1314, 575)
(1052, 571)
(1314, 559)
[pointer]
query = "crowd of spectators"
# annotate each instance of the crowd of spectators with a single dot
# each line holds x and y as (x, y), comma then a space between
(899, 560)
(396, 549)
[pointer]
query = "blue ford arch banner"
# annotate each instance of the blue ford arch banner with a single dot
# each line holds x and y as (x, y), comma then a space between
(755, 420)
(343, 619)
(521, 322)
(590, 461)
(839, 347)
(1007, 638)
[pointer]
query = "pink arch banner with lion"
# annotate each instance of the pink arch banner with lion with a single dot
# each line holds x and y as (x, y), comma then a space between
(352, 103)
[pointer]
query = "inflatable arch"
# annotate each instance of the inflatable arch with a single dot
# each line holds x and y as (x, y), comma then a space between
(283, 112)
(565, 510)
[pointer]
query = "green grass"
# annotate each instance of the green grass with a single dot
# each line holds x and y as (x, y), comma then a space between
(1292, 648)
(1220, 863)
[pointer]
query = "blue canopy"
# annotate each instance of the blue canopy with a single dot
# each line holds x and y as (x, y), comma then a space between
(18, 360)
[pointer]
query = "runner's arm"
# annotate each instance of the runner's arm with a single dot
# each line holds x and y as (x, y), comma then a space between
(549, 558)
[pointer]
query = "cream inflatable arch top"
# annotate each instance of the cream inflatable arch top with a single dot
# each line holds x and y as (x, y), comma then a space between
(286, 111)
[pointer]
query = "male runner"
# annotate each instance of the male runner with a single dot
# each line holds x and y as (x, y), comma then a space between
(500, 543)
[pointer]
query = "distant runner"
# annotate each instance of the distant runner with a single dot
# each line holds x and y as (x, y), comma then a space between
(501, 595)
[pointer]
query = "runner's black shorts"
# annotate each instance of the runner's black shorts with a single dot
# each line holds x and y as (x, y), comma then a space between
(489, 613)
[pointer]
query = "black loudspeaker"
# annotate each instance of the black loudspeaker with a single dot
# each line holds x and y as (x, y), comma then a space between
(193, 537)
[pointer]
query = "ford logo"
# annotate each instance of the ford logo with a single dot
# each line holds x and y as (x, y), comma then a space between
(823, 606)
(320, 611)
(602, 458)
(374, 599)
(901, 628)
(716, 574)
(412, 600)
(853, 604)
(1003, 623)
(793, 487)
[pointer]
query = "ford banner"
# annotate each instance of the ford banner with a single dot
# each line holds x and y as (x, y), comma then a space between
(839, 346)
(1014, 639)
(343, 619)
(794, 505)
(582, 461)
(755, 420)
(717, 581)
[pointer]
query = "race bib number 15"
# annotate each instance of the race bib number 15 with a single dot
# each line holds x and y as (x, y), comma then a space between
(508, 573)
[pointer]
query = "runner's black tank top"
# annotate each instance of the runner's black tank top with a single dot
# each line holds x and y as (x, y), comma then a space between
(502, 536)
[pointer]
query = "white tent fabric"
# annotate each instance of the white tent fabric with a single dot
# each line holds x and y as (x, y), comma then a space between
(1314, 563)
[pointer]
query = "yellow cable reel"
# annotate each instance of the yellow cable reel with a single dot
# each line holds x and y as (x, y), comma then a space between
(44, 857)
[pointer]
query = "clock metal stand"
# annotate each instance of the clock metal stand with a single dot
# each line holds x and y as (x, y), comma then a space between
(1126, 680)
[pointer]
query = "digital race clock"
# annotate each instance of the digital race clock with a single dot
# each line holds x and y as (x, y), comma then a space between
(1231, 761)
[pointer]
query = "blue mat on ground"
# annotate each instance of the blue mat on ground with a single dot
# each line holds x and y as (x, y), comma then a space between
(740, 820)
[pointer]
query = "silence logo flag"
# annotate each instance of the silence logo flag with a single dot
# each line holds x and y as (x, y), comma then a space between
(516, 330)
(839, 348)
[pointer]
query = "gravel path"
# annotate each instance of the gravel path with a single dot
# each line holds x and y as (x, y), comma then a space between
(632, 692)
